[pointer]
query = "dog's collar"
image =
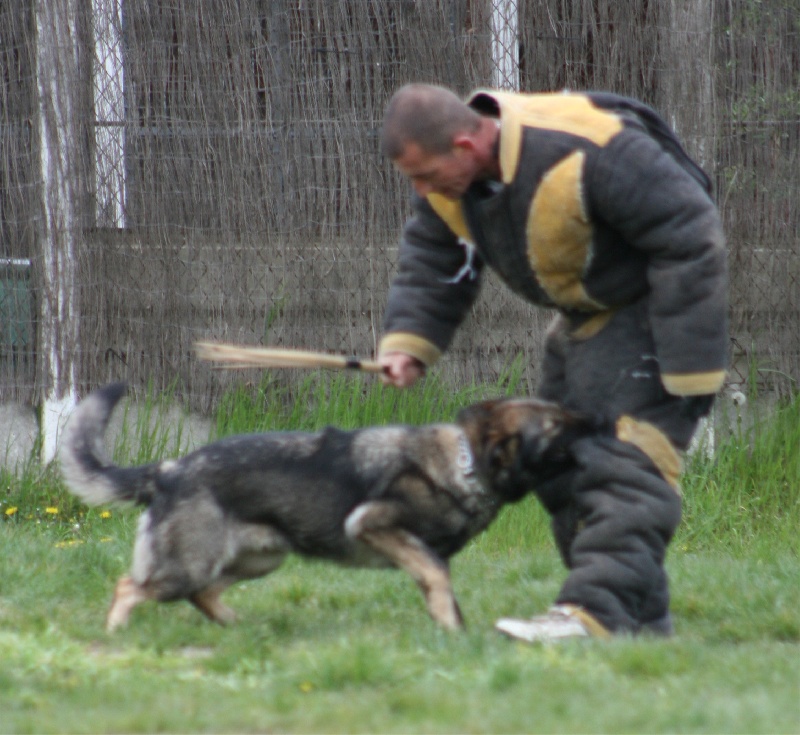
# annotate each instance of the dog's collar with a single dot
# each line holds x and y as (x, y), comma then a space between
(466, 464)
(464, 460)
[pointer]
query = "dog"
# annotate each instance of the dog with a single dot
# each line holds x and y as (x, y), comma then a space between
(407, 497)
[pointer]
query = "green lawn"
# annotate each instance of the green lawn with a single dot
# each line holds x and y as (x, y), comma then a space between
(323, 649)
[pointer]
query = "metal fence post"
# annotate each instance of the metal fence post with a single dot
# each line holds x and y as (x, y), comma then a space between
(505, 44)
(108, 87)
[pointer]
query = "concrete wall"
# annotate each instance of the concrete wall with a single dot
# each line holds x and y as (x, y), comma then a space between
(179, 431)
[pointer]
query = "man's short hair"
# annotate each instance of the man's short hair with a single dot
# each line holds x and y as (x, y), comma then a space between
(427, 115)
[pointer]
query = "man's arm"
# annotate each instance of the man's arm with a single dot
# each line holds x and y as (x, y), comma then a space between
(643, 193)
(429, 297)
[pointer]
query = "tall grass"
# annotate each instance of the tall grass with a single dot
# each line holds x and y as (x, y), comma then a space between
(155, 431)
(748, 493)
(349, 401)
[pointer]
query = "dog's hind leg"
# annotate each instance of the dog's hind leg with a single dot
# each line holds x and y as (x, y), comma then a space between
(207, 602)
(127, 595)
(258, 550)
(409, 553)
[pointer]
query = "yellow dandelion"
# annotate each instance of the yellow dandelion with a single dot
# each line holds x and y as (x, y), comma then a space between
(67, 544)
(105, 514)
(306, 687)
(11, 511)
(51, 510)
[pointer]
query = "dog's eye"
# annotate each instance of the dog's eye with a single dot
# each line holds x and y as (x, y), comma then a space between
(505, 453)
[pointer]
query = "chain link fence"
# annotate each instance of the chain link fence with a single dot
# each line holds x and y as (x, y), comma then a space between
(175, 171)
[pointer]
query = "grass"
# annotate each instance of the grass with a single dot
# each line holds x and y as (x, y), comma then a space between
(324, 649)
(750, 494)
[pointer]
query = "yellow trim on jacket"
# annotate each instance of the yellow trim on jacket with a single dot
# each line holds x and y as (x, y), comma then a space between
(693, 384)
(560, 111)
(559, 235)
(655, 444)
(452, 213)
(411, 344)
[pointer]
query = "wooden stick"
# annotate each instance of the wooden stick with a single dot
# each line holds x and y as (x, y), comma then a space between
(241, 356)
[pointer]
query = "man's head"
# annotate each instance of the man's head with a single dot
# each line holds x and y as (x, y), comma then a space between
(435, 139)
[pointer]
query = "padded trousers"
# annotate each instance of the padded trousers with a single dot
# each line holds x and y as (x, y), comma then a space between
(614, 514)
(613, 521)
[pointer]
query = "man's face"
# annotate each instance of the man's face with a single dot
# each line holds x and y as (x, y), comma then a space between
(449, 174)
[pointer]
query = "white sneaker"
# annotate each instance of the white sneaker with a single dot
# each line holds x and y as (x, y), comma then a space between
(561, 621)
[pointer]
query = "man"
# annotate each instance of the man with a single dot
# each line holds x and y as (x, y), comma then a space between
(588, 204)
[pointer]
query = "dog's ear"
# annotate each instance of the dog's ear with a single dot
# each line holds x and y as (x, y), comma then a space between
(551, 441)
(476, 414)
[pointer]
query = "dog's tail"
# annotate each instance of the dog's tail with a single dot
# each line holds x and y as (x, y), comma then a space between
(87, 471)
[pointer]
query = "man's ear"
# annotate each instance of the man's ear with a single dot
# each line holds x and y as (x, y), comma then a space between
(464, 142)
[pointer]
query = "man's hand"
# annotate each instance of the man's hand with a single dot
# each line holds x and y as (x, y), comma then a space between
(401, 370)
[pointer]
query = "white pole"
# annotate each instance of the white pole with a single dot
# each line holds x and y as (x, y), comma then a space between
(57, 64)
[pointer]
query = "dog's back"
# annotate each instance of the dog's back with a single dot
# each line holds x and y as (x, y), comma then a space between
(234, 468)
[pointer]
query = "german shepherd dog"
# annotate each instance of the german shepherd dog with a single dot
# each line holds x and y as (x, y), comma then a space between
(398, 496)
